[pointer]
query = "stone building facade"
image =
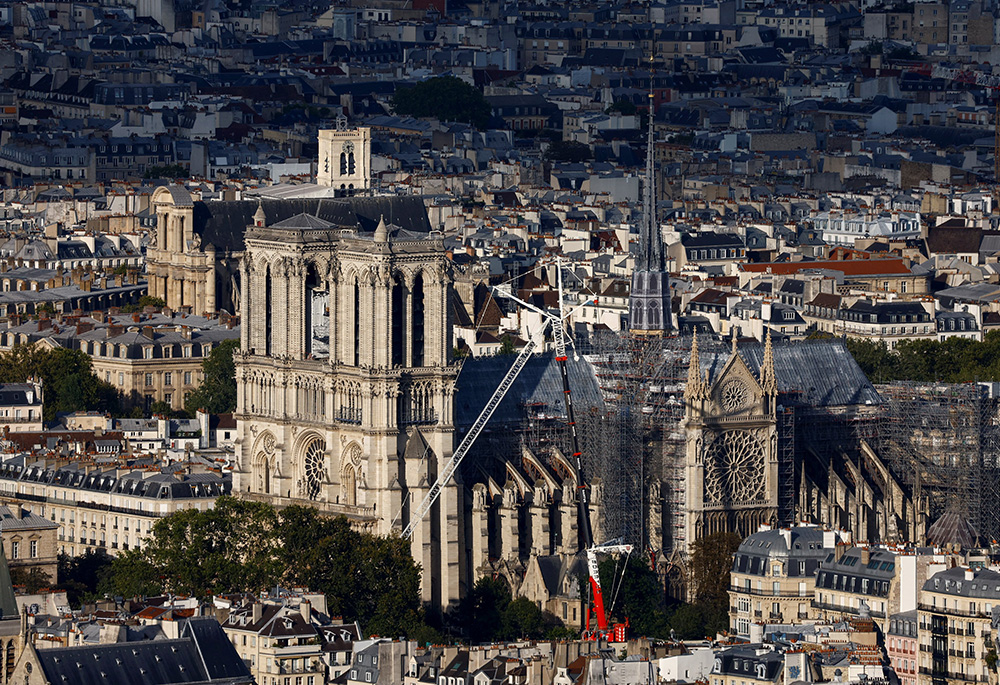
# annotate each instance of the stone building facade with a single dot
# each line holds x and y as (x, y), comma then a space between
(732, 446)
(345, 161)
(353, 417)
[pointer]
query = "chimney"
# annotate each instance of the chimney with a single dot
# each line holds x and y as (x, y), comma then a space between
(839, 551)
(305, 607)
(257, 611)
(136, 318)
(148, 332)
(970, 574)
(865, 555)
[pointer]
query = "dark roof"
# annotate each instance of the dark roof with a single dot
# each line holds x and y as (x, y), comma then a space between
(948, 240)
(952, 529)
(202, 655)
(223, 224)
(813, 373)
(539, 382)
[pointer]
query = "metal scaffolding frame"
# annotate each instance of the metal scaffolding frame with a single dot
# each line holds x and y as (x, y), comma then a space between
(943, 443)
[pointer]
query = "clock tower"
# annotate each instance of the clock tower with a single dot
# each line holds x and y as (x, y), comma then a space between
(345, 162)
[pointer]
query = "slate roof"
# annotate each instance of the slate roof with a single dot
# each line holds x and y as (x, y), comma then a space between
(952, 529)
(223, 224)
(813, 373)
(202, 655)
(539, 382)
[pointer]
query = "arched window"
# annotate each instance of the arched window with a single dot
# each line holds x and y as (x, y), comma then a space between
(267, 309)
(311, 293)
(349, 487)
(351, 167)
(357, 324)
(315, 468)
(397, 335)
(417, 322)
(343, 164)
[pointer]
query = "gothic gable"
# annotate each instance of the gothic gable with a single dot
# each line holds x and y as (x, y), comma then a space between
(735, 391)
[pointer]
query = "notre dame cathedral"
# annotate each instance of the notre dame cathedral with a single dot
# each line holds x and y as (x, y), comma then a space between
(350, 400)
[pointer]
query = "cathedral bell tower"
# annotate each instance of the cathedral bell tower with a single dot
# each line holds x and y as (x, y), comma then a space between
(345, 381)
(649, 298)
(732, 446)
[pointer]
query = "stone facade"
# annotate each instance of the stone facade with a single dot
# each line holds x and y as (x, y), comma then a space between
(732, 460)
(345, 382)
(180, 270)
(345, 161)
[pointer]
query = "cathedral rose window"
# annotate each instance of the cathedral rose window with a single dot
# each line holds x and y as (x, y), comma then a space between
(735, 395)
(734, 469)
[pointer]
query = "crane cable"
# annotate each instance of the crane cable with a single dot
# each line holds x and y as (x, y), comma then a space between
(616, 588)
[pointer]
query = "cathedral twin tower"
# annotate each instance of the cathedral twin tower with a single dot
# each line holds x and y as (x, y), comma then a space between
(346, 380)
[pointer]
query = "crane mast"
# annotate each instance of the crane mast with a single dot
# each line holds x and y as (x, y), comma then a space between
(583, 486)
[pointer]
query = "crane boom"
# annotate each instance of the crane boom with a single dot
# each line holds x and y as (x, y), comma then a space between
(456, 458)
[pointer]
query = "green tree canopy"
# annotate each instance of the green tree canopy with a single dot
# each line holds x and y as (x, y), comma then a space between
(953, 360)
(68, 381)
(448, 98)
(84, 577)
(635, 593)
(488, 613)
(217, 392)
(242, 546)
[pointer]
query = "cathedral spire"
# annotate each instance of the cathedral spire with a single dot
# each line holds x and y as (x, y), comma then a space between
(649, 300)
(651, 256)
(768, 382)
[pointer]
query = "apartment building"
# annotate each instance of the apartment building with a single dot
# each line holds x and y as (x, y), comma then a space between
(856, 581)
(955, 615)
(29, 541)
(105, 503)
(150, 357)
(290, 637)
(773, 574)
(21, 406)
(901, 646)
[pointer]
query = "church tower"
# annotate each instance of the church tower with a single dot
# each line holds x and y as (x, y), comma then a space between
(732, 446)
(345, 381)
(649, 300)
(345, 158)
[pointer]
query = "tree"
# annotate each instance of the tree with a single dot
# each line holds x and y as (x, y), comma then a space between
(622, 106)
(217, 392)
(166, 171)
(144, 301)
(711, 562)
(635, 593)
(33, 579)
(448, 98)
(84, 577)
(480, 613)
(241, 546)
(68, 381)
(507, 345)
(229, 547)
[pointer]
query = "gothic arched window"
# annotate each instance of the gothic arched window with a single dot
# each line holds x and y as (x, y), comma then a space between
(398, 336)
(268, 314)
(417, 321)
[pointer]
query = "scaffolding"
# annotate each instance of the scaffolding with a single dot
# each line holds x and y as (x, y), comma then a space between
(941, 441)
(638, 447)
